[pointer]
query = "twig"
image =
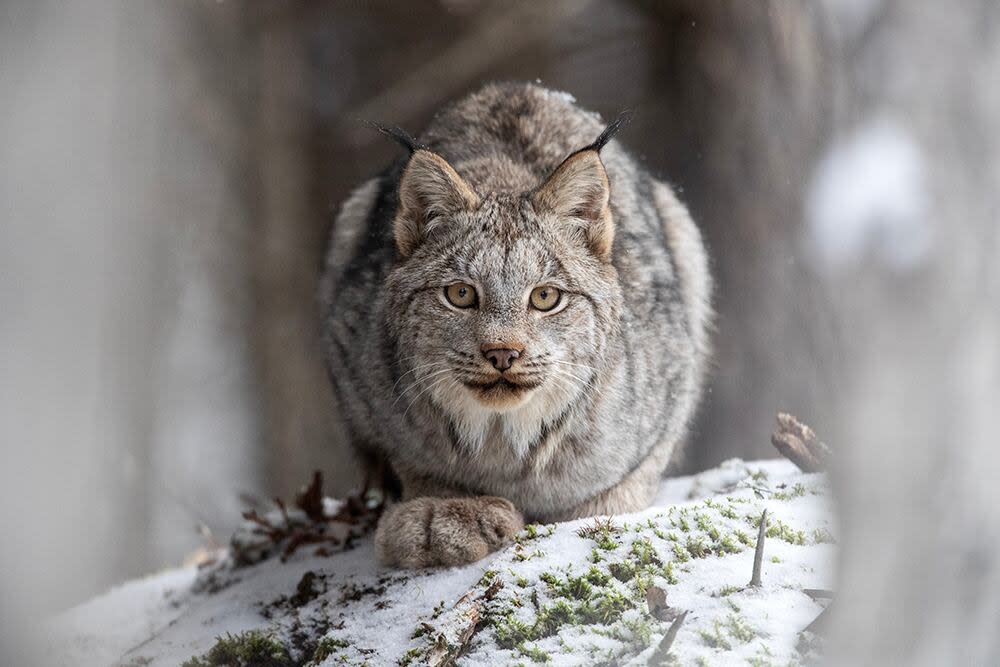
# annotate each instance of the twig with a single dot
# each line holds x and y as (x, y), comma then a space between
(758, 556)
(659, 656)
(798, 443)
(446, 650)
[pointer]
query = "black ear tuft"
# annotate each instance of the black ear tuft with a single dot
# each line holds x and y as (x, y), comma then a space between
(397, 134)
(611, 130)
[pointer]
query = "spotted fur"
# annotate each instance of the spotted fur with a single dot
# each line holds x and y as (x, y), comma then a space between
(611, 376)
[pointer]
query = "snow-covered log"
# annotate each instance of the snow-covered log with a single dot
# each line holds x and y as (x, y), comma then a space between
(593, 591)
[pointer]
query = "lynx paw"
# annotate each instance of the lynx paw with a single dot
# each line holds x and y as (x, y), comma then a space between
(445, 531)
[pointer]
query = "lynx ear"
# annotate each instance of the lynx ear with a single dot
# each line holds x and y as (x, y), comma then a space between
(578, 191)
(429, 189)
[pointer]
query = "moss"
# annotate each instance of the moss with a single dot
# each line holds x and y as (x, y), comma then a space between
(409, 657)
(726, 545)
(553, 617)
(728, 512)
(822, 536)
(668, 573)
(597, 577)
(775, 559)
(715, 638)
(696, 547)
(252, 648)
(783, 532)
(536, 654)
(488, 576)
(680, 554)
(327, 647)
(738, 629)
(726, 591)
(644, 553)
(521, 582)
(622, 571)
(605, 608)
(743, 538)
(549, 578)
(511, 632)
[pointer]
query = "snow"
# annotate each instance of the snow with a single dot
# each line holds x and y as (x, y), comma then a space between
(374, 612)
(869, 195)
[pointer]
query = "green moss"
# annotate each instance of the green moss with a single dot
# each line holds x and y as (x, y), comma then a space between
(597, 577)
(605, 608)
(680, 554)
(511, 632)
(409, 657)
(696, 547)
(728, 512)
(668, 573)
(738, 629)
(252, 648)
(644, 553)
(727, 591)
(553, 617)
(743, 538)
(715, 638)
(822, 536)
(327, 647)
(783, 532)
(577, 588)
(549, 578)
(536, 654)
(726, 545)
(775, 559)
(622, 571)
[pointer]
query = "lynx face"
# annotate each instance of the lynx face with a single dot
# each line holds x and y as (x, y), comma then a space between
(502, 303)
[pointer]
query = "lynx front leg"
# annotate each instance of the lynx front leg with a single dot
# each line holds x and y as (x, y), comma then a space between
(429, 531)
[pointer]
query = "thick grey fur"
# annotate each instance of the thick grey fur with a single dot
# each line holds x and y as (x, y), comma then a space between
(621, 366)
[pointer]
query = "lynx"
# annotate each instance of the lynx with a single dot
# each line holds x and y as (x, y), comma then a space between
(516, 324)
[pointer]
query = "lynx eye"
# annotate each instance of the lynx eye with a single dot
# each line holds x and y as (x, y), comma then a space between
(545, 298)
(461, 295)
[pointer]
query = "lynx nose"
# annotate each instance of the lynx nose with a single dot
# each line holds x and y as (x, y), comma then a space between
(502, 358)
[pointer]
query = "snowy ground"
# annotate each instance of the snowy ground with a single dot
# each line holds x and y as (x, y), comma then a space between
(568, 594)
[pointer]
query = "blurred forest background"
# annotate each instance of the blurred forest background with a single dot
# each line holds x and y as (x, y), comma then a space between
(170, 171)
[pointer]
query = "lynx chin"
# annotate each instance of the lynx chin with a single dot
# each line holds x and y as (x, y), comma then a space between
(516, 321)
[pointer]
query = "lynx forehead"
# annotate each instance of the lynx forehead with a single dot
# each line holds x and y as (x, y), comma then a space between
(516, 318)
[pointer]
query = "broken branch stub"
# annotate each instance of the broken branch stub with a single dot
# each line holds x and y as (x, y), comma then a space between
(798, 443)
(758, 555)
